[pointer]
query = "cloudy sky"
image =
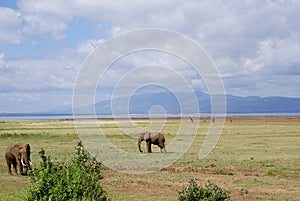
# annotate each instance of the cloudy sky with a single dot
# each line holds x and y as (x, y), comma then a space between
(254, 44)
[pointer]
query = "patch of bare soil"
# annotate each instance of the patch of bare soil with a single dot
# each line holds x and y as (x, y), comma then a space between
(242, 183)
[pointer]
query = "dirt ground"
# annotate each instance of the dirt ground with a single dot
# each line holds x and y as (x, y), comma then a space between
(166, 183)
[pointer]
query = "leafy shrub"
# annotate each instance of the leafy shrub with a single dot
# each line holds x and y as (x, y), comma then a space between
(211, 192)
(77, 179)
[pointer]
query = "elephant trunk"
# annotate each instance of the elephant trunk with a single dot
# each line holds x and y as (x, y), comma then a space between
(139, 144)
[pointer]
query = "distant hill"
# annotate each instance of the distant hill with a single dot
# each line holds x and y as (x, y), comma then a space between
(142, 103)
(256, 104)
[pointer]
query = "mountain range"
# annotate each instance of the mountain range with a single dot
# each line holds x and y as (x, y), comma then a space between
(142, 103)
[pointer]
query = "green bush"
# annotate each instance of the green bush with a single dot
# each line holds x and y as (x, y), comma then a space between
(211, 192)
(77, 179)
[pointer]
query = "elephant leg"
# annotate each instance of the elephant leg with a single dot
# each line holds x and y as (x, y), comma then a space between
(14, 163)
(20, 167)
(163, 149)
(8, 167)
(139, 144)
(149, 147)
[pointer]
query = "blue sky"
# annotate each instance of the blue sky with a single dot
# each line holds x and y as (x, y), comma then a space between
(254, 44)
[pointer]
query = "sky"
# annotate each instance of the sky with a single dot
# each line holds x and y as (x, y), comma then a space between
(255, 45)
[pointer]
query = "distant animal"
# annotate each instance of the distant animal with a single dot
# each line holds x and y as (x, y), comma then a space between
(152, 138)
(18, 155)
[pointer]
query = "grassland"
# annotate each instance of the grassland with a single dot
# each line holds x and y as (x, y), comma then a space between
(255, 158)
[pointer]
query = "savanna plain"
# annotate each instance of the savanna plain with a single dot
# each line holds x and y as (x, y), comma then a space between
(256, 158)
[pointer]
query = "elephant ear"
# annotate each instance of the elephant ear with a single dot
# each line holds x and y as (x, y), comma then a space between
(27, 148)
(147, 135)
(142, 136)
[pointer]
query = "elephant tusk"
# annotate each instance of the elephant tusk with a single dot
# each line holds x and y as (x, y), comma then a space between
(22, 161)
(30, 163)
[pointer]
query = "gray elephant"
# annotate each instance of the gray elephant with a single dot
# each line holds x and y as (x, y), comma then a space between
(18, 155)
(152, 138)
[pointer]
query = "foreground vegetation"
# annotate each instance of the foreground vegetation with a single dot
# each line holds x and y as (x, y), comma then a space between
(76, 179)
(211, 192)
(255, 159)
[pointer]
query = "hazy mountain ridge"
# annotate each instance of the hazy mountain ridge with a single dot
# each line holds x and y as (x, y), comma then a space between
(142, 103)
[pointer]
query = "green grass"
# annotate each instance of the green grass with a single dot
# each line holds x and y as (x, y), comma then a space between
(261, 155)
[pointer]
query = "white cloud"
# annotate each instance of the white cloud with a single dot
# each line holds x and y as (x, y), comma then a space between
(35, 101)
(280, 56)
(2, 61)
(10, 26)
(255, 44)
(36, 74)
(88, 46)
(50, 26)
